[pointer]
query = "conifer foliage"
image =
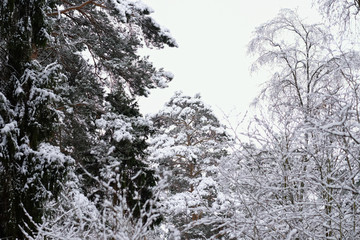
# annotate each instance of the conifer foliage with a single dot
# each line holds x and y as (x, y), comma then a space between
(69, 126)
(30, 166)
(188, 145)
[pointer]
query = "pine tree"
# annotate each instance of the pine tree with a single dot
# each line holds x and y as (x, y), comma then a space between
(29, 171)
(187, 147)
(66, 67)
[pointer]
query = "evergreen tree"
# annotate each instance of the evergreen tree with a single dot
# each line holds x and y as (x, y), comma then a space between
(70, 72)
(187, 147)
(30, 165)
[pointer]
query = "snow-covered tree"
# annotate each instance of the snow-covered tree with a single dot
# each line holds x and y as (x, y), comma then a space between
(298, 172)
(341, 12)
(70, 72)
(187, 146)
(31, 167)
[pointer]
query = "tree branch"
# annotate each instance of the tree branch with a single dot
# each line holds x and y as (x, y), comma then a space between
(78, 7)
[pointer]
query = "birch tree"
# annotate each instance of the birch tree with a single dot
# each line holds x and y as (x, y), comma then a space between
(298, 176)
(343, 13)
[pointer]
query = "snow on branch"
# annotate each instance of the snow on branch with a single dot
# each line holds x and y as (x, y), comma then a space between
(78, 7)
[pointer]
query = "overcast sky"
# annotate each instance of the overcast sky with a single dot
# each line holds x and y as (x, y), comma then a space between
(212, 56)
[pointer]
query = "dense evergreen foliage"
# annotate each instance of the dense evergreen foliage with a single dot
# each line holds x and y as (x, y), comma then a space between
(187, 147)
(69, 74)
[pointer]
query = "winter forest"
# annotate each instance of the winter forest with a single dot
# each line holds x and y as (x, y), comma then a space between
(78, 159)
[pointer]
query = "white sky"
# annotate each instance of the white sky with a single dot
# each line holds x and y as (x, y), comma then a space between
(211, 59)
